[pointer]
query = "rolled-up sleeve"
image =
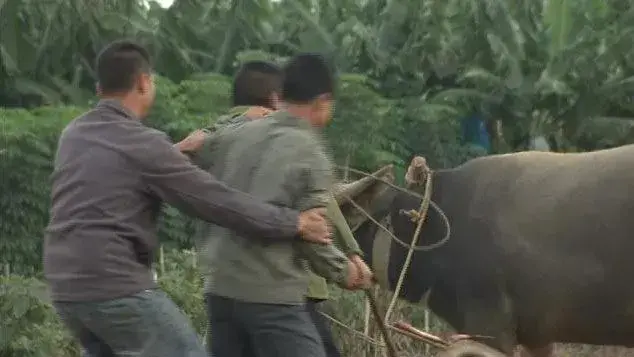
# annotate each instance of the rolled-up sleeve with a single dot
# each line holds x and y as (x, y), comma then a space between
(344, 237)
(169, 174)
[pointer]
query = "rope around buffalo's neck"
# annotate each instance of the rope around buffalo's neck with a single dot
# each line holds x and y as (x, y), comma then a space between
(420, 218)
(431, 203)
(423, 248)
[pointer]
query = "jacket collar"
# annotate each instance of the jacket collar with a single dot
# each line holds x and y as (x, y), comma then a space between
(115, 105)
(287, 119)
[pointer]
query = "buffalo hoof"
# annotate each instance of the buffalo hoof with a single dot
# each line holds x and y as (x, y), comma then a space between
(466, 348)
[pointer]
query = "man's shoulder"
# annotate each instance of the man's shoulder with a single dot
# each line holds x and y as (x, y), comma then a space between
(76, 123)
(125, 135)
(104, 122)
(228, 121)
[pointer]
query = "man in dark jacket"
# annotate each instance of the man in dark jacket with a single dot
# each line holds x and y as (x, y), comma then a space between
(111, 174)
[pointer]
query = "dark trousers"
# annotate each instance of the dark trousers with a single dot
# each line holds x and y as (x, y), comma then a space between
(147, 324)
(241, 329)
(323, 327)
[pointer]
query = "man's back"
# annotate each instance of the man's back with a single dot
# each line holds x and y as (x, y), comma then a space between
(99, 208)
(280, 160)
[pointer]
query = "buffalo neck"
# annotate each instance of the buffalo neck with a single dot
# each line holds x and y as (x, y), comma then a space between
(420, 278)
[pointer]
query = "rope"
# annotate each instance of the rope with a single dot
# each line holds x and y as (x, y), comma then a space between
(442, 214)
(422, 215)
(423, 248)
(389, 345)
(416, 194)
(419, 218)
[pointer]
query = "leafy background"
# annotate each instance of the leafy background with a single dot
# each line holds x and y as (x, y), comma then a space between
(411, 72)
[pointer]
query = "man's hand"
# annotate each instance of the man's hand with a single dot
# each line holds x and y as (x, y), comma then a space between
(359, 275)
(352, 280)
(193, 142)
(313, 226)
(366, 277)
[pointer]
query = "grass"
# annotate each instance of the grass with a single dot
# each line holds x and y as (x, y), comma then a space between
(349, 308)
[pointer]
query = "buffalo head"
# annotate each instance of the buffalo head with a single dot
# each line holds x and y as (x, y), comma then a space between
(390, 208)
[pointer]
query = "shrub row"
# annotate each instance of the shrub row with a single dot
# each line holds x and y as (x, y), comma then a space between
(30, 327)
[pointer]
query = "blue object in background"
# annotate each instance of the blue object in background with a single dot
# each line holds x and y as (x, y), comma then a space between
(474, 131)
(539, 143)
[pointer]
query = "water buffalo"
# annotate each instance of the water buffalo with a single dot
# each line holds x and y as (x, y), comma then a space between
(541, 245)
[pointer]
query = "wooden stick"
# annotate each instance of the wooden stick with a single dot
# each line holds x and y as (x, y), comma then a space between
(391, 351)
(422, 336)
(415, 337)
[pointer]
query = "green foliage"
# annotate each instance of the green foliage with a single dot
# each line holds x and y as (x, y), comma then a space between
(440, 141)
(26, 163)
(29, 325)
(31, 328)
(179, 110)
(256, 55)
(182, 108)
(166, 111)
(603, 133)
(360, 117)
(180, 278)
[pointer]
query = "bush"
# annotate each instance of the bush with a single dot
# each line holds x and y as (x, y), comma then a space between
(361, 114)
(30, 327)
(182, 108)
(26, 164)
(180, 279)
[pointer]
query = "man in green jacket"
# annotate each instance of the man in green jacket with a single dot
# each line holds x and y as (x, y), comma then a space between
(261, 297)
(256, 89)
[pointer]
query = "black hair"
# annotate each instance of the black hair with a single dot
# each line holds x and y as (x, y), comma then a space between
(307, 76)
(119, 64)
(255, 82)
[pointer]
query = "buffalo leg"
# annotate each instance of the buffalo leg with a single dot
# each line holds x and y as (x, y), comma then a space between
(487, 312)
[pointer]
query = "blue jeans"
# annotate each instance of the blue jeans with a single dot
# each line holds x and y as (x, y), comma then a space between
(242, 329)
(147, 324)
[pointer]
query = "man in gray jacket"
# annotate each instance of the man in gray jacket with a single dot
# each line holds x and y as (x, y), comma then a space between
(257, 290)
(111, 175)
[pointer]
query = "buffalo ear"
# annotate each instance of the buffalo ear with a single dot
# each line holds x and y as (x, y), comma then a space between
(364, 192)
